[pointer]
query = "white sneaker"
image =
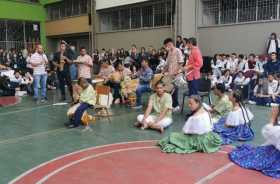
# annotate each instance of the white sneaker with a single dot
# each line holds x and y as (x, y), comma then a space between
(274, 105)
(176, 109)
(252, 102)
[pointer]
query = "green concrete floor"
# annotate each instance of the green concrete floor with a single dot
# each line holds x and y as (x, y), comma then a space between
(31, 134)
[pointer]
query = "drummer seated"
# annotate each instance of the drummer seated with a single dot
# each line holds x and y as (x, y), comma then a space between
(158, 114)
(106, 70)
(86, 100)
(115, 82)
(145, 76)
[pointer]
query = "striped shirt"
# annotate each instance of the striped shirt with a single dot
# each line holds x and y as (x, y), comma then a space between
(37, 58)
(174, 61)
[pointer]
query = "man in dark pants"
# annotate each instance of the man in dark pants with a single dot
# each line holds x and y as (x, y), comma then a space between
(193, 67)
(62, 63)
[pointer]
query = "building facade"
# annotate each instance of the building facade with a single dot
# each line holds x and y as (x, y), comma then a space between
(119, 24)
(226, 26)
(69, 20)
(221, 26)
(22, 23)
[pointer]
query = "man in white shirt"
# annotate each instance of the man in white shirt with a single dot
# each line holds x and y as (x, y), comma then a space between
(85, 64)
(232, 63)
(272, 86)
(39, 61)
(260, 65)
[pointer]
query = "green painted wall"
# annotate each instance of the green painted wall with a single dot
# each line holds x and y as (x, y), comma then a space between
(24, 11)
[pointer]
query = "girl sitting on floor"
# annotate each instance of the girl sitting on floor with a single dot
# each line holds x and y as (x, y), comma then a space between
(236, 126)
(197, 134)
(266, 158)
(222, 106)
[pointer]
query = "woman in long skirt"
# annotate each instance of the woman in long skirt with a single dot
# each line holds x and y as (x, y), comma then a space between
(237, 125)
(197, 134)
(266, 158)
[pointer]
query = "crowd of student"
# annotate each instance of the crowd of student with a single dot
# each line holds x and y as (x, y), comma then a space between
(256, 76)
(207, 127)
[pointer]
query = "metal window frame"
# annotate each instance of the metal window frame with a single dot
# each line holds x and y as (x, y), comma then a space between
(140, 6)
(257, 19)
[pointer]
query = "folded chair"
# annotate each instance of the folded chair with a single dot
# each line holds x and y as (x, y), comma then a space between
(204, 90)
(103, 102)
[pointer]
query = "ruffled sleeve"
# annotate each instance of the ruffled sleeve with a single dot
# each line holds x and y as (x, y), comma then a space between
(236, 118)
(272, 135)
(198, 124)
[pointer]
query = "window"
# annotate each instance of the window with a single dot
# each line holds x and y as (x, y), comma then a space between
(155, 14)
(20, 33)
(135, 18)
(147, 16)
(2, 30)
(247, 10)
(32, 32)
(160, 14)
(267, 9)
(15, 30)
(210, 12)
(228, 11)
(115, 20)
(125, 19)
(215, 12)
(84, 7)
(76, 7)
(169, 11)
(68, 8)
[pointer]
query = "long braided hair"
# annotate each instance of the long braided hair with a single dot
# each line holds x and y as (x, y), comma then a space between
(237, 95)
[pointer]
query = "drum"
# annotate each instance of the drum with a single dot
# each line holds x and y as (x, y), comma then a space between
(180, 80)
(156, 79)
(71, 111)
(132, 99)
(168, 83)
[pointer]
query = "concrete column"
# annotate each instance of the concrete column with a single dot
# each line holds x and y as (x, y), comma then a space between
(186, 18)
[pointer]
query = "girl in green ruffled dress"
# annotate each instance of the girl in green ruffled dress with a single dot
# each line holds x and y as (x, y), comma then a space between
(197, 134)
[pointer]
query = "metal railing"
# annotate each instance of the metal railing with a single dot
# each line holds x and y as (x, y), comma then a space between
(7, 45)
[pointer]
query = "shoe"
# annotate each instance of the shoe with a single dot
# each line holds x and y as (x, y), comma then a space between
(274, 105)
(176, 109)
(72, 126)
(44, 100)
(252, 102)
(137, 107)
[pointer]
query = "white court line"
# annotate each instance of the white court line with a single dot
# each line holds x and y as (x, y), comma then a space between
(212, 175)
(88, 158)
(53, 173)
(73, 153)
(14, 140)
(83, 150)
(25, 110)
